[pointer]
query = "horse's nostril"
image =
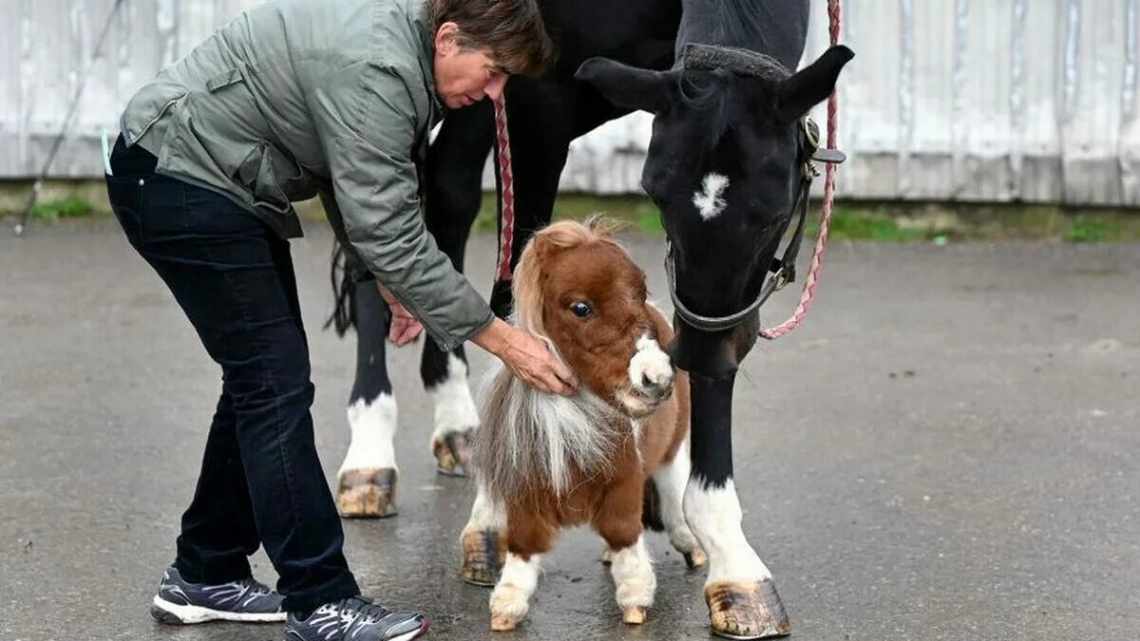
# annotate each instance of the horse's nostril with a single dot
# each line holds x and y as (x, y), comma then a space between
(647, 382)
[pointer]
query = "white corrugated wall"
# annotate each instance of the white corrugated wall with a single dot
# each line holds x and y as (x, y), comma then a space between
(975, 100)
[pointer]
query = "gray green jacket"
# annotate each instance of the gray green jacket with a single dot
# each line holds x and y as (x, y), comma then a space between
(297, 98)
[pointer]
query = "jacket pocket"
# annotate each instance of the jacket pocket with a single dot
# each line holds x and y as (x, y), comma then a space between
(272, 177)
(149, 105)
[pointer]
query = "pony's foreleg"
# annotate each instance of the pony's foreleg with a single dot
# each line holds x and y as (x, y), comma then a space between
(740, 593)
(634, 579)
(618, 520)
(484, 540)
(670, 480)
(366, 482)
(510, 601)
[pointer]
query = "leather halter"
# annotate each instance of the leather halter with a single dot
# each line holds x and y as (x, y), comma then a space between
(783, 269)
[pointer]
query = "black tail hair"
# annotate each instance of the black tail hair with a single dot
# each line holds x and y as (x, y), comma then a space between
(344, 292)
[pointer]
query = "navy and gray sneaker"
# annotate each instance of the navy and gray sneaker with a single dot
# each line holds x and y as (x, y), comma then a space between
(178, 601)
(355, 619)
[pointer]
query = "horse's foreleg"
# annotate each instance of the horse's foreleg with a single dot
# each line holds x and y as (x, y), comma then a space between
(454, 171)
(484, 539)
(367, 477)
(740, 593)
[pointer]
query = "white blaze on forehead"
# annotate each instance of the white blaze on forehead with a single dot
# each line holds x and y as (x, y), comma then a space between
(650, 363)
(708, 200)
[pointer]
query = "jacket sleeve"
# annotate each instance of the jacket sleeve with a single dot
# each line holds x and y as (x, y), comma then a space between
(366, 118)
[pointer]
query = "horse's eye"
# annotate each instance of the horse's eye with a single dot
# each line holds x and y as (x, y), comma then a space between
(581, 310)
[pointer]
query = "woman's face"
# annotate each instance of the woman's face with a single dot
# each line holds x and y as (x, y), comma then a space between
(464, 76)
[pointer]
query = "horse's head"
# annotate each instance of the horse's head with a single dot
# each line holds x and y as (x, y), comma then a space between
(575, 285)
(726, 164)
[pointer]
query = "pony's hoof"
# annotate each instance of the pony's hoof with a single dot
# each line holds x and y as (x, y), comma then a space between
(483, 555)
(696, 558)
(634, 615)
(503, 623)
(607, 556)
(367, 493)
(746, 610)
(452, 453)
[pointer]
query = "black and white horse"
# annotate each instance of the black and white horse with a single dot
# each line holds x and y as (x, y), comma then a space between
(725, 167)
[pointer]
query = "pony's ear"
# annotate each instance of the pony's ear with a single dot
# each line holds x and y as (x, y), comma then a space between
(812, 84)
(627, 86)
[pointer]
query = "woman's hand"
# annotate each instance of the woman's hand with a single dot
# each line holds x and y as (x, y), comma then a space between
(527, 357)
(404, 328)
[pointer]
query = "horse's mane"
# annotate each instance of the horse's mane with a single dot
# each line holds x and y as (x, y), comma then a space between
(529, 440)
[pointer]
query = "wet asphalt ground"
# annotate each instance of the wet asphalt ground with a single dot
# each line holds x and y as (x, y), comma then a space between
(949, 449)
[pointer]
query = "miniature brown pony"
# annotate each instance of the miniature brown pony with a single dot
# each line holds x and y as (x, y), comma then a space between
(545, 462)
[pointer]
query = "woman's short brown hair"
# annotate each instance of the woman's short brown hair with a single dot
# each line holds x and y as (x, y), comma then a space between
(512, 29)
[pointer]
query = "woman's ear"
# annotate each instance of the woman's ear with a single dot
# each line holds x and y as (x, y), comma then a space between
(446, 41)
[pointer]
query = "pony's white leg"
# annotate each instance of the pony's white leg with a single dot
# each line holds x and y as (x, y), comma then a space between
(670, 480)
(633, 576)
(484, 540)
(511, 599)
(367, 477)
(740, 593)
(455, 418)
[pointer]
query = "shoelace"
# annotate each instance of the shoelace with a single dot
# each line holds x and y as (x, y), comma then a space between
(356, 609)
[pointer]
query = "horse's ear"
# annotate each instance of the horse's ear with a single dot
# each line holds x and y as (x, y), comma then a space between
(812, 84)
(627, 86)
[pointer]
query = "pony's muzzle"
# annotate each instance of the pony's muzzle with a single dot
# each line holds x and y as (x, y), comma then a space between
(650, 378)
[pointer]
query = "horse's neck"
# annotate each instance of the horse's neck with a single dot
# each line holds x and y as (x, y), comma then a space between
(777, 28)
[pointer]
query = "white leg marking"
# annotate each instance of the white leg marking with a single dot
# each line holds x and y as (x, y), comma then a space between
(709, 200)
(486, 513)
(511, 597)
(714, 516)
(633, 575)
(455, 410)
(373, 435)
(670, 480)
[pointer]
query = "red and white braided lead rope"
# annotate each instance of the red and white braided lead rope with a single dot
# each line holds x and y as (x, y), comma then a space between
(507, 197)
(812, 280)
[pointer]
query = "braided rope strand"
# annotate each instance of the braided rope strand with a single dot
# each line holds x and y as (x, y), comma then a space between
(507, 197)
(812, 280)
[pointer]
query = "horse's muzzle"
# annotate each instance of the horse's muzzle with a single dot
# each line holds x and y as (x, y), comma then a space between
(712, 354)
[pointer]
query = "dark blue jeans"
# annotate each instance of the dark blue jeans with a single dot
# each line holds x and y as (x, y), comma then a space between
(261, 481)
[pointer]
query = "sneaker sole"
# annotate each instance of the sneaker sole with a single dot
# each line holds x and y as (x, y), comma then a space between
(164, 611)
(408, 636)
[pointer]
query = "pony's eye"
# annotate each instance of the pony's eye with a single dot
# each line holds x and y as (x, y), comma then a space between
(581, 310)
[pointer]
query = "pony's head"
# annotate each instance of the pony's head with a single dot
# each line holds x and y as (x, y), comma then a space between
(576, 287)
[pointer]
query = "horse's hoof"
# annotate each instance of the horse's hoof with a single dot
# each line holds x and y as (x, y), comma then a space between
(746, 610)
(696, 558)
(483, 555)
(367, 493)
(634, 615)
(452, 454)
(503, 623)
